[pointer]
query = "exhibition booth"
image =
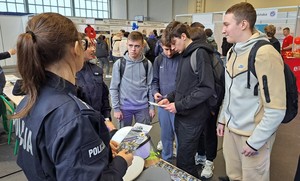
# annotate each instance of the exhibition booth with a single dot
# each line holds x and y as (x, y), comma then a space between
(280, 17)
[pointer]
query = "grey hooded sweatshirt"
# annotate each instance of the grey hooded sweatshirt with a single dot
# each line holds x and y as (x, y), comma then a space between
(134, 90)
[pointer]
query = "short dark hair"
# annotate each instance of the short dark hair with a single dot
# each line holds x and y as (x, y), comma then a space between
(243, 11)
(164, 40)
(179, 29)
(286, 28)
(208, 32)
(135, 36)
(197, 25)
(197, 34)
(126, 34)
(168, 30)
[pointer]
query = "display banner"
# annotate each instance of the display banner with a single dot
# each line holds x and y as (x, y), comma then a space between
(266, 14)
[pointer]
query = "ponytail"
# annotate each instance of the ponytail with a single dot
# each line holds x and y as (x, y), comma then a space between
(46, 41)
(31, 69)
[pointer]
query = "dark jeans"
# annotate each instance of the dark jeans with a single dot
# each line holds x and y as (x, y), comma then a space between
(188, 134)
(208, 143)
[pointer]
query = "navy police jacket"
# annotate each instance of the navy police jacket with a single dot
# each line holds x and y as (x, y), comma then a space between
(93, 89)
(62, 138)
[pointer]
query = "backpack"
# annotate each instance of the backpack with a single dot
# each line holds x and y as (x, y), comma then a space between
(290, 83)
(101, 49)
(123, 65)
(219, 76)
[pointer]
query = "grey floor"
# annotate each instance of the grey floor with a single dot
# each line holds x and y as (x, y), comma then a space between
(284, 157)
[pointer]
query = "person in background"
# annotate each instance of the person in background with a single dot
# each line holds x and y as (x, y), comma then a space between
(90, 32)
(198, 25)
(144, 32)
(131, 91)
(123, 44)
(115, 47)
(93, 89)
(5, 55)
(211, 39)
(151, 41)
(249, 130)
(208, 142)
(287, 43)
(225, 47)
(102, 54)
(270, 31)
(155, 33)
(163, 83)
(61, 136)
(189, 100)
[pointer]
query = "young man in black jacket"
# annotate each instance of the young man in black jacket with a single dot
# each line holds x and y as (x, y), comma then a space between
(188, 101)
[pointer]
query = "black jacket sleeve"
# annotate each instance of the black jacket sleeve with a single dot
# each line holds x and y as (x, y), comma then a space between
(155, 80)
(4, 55)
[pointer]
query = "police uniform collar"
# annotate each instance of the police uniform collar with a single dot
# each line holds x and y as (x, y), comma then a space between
(60, 84)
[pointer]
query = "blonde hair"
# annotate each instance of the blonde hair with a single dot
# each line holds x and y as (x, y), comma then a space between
(270, 30)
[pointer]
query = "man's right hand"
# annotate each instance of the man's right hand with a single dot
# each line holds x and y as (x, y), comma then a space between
(158, 97)
(127, 156)
(164, 102)
(220, 129)
(118, 115)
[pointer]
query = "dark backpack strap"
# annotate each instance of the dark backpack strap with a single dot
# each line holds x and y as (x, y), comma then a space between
(251, 60)
(145, 63)
(122, 67)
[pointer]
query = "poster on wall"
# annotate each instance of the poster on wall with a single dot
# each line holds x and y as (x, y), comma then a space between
(261, 27)
(266, 14)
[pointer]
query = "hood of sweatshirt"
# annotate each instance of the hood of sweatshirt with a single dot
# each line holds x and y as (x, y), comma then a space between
(242, 47)
(141, 58)
(197, 44)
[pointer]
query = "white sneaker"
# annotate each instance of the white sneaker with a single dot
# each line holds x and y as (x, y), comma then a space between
(199, 159)
(207, 171)
(108, 76)
(174, 152)
(159, 146)
(174, 149)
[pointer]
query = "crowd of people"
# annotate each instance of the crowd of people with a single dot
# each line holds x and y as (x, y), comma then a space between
(64, 122)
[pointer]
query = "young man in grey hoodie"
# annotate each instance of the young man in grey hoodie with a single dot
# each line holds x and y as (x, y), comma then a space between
(131, 91)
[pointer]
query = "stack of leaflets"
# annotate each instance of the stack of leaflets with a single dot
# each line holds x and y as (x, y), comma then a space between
(136, 137)
(176, 173)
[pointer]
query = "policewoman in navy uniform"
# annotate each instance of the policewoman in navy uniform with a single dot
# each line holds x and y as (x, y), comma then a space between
(60, 136)
(94, 91)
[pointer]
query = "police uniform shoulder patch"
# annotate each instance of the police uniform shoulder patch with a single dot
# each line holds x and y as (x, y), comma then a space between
(81, 104)
(93, 151)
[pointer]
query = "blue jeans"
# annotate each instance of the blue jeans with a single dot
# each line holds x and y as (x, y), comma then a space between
(103, 61)
(167, 133)
(140, 116)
